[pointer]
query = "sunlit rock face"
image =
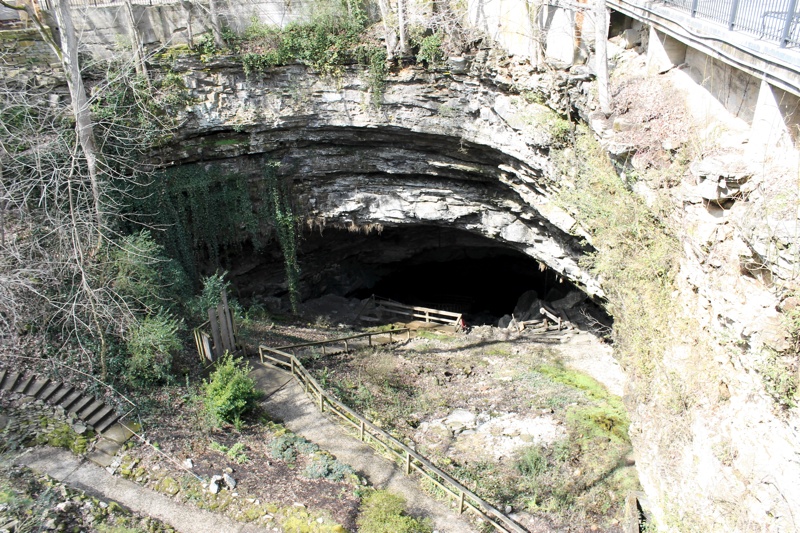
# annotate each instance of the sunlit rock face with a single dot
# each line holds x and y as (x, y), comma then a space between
(442, 150)
(465, 159)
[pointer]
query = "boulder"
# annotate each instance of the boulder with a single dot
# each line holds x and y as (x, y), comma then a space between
(504, 321)
(459, 420)
(528, 304)
(569, 301)
(630, 38)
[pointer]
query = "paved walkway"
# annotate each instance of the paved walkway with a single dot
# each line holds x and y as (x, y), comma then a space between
(286, 400)
(92, 479)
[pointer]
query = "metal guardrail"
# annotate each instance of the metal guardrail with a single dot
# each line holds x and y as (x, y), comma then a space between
(772, 20)
(374, 436)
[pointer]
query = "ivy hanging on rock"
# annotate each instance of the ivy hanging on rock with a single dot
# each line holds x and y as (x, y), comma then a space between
(201, 212)
(281, 215)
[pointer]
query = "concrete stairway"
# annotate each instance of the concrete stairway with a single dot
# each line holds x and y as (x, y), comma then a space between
(93, 412)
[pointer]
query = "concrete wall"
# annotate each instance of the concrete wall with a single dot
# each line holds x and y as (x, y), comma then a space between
(565, 33)
(508, 22)
(106, 29)
(736, 90)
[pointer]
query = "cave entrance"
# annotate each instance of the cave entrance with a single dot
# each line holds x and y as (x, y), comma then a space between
(442, 268)
(483, 283)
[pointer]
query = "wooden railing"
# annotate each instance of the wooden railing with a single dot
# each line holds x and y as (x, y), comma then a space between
(413, 312)
(346, 341)
(379, 439)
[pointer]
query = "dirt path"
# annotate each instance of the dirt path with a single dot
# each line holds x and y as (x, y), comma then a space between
(86, 476)
(286, 400)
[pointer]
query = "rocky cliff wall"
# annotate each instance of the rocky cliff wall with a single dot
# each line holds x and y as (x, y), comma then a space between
(472, 150)
(455, 150)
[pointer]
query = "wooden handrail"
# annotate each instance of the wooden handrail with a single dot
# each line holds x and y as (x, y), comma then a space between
(426, 313)
(389, 303)
(391, 444)
(342, 339)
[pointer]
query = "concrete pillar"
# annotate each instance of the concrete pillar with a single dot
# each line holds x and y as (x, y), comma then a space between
(663, 52)
(560, 39)
(772, 120)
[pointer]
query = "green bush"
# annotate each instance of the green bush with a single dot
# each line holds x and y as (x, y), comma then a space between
(325, 466)
(145, 277)
(430, 50)
(210, 296)
(384, 512)
(151, 343)
(230, 392)
(286, 447)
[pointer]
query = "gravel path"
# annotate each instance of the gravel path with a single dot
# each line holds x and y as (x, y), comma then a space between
(285, 399)
(86, 476)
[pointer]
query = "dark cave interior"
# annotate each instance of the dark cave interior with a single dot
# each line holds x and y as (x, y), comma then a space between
(424, 265)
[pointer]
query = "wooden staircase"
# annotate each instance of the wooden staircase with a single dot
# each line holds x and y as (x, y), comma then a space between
(93, 412)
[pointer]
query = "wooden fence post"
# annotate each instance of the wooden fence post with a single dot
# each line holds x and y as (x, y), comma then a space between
(361, 433)
(219, 351)
(408, 464)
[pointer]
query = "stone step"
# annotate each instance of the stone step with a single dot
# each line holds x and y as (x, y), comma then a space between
(10, 380)
(51, 389)
(23, 384)
(60, 394)
(99, 418)
(107, 423)
(69, 400)
(77, 406)
(89, 410)
(120, 432)
(38, 387)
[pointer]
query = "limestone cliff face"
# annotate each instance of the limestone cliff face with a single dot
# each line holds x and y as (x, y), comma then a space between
(464, 149)
(450, 150)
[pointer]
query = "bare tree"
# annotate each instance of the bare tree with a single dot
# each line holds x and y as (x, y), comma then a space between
(215, 26)
(601, 55)
(401, 27)
(61, 189)
(136, 40)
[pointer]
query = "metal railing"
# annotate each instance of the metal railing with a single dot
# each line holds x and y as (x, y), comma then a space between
(374, 436)
(771, 20)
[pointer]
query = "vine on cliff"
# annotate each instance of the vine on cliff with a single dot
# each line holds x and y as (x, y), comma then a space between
(636, 258)
(281, 215)
(201, 212)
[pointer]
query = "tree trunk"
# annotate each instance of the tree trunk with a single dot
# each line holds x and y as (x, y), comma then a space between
(601, 56)
(215, 27)
(389, 35)
(84, 126)
(401, 27)
(136, 41)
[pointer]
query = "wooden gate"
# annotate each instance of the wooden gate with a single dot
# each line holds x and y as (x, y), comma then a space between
(223, 335)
